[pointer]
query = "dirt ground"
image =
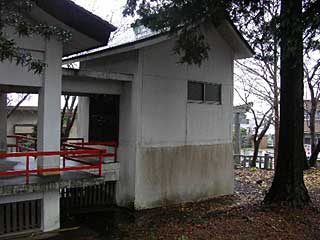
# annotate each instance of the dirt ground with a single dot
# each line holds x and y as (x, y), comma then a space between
(240, 216)
(236, 217)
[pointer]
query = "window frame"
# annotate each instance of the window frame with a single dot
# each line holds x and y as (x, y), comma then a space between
(220, 94)
(204, 101)
(203, 90)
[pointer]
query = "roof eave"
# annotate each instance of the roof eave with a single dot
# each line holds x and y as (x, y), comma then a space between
(227, 29)
(78, 18)
(240, 46)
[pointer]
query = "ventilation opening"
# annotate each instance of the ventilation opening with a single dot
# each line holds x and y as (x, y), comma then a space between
(20, 216)
(73, 199)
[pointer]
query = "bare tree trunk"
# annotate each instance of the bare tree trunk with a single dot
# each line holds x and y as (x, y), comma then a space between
(71, 122)
(17, 105)
(314, 156)
(306, 165)
(68, 116)
(276, 127)
(63, 114)
(288, 185)
(312, 123)
(276, 103)
(256, 146)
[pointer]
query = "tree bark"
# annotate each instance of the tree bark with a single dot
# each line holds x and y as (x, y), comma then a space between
(256, 146)
(276, 103)
(312, 123)
(17, 106)
(63, 114)
(71, 122)
(288, 185)
(314, 156)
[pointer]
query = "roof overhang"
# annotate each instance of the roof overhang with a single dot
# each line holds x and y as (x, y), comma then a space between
(127, 47)
(88, 30)
(227, 29)
(234, 38)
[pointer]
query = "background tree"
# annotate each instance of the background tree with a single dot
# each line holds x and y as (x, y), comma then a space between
(288, 184)
(15, 101)
(68, 115)
(256, 96)
(262, 34)
(312, 79)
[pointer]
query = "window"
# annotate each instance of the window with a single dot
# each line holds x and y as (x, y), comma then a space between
(213, 93)
(195, 91)
(204, 92)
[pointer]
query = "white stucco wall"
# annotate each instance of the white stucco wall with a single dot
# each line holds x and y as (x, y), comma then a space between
(168, 119)
(84, 86)
(184, 150)
(130, 108)
(120, 63)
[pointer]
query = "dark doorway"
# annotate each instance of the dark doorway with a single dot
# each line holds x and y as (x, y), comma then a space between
(104, 118)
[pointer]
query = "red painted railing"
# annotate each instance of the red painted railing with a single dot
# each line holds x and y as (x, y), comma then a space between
(21, 143)
(72, 140)
(90, 146)
(66, 154)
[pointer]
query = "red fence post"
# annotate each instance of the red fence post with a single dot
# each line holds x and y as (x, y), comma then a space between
(17, 146)
(17, 143)
(100, 163)
(116, 152)
(27, 169)
(64, 161)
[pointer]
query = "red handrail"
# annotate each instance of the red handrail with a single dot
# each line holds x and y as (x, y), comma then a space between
(88, 145)
(110, 143)
(65, 154)
(66, 140)
(18, 146)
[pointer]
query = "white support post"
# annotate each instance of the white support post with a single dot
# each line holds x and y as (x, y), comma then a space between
(3, 122)
(49, 113)
(50, 211)
(83, 118)
(49, 121)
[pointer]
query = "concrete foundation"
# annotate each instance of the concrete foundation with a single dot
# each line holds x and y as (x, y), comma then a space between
(51, 211)
(169, 175)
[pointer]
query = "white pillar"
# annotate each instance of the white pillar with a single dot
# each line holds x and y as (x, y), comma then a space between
(49, 118)
(49, 113)
(50, 211)
(3, 122)
(83, 118)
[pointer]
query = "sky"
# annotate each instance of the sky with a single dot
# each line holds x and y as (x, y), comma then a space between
(110, 10)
